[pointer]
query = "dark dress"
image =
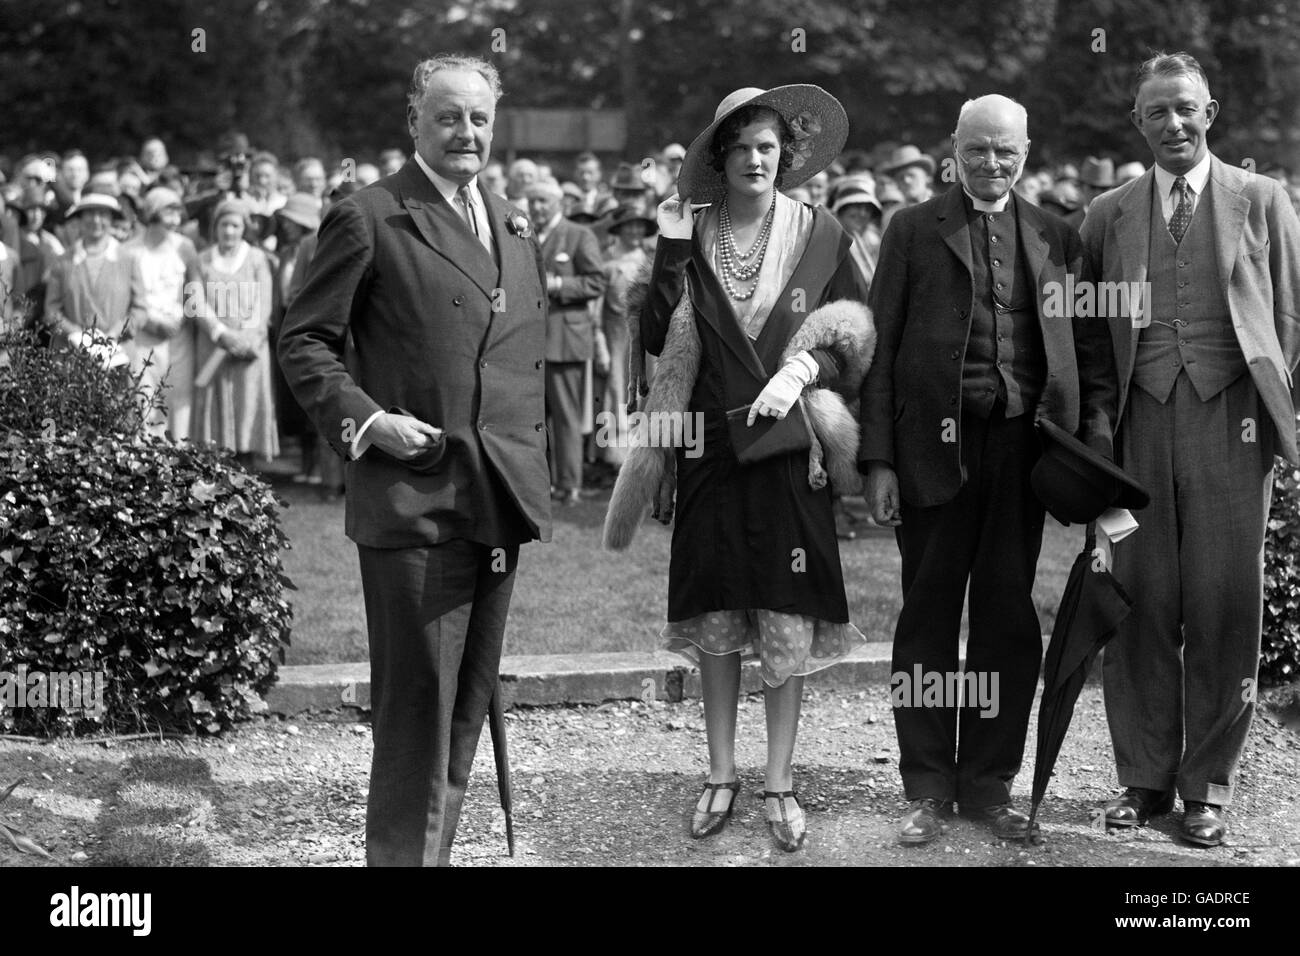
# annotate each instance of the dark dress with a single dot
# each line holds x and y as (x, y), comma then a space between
(756, 536)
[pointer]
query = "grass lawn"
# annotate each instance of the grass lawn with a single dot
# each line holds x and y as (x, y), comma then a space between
(570, 596)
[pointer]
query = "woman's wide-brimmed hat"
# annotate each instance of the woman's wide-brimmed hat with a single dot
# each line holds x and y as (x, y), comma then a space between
(860, 193)
(96, 201)
(818, 121)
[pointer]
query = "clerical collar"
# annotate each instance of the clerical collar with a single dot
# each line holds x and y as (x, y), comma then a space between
(984, 205)
(446, 186)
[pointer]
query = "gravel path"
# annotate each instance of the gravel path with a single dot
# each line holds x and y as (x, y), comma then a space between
(600, 785)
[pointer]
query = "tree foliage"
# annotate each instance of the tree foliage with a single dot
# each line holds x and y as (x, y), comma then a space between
(329, 76)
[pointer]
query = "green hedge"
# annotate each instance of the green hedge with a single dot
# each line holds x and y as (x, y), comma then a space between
(154, 564)
(1280, 660)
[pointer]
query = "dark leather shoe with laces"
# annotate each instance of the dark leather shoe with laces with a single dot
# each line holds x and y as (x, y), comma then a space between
(1006, 822)
(1203, 823)
(924, 820)
(1136, 805)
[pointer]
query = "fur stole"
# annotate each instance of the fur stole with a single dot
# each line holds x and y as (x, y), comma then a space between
(649, 477)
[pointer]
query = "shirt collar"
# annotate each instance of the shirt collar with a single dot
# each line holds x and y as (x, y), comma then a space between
(447, 187)
(549, 227)
(984, 205)
(1196, 177)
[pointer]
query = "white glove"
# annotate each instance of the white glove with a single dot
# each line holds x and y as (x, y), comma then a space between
(675, 218)
(783, 389)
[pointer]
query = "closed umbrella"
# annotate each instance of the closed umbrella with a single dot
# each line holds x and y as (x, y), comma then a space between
(1092, 607)
(497, 725)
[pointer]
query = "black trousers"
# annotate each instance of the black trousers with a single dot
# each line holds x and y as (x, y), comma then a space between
(436, 617)
(988, 535)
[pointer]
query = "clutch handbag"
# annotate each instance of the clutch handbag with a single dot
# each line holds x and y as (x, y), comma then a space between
(768, 437)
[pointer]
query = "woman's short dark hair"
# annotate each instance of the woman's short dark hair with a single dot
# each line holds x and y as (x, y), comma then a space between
(729, 132)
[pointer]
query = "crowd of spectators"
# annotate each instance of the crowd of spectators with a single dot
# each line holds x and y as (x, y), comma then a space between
(185, 273)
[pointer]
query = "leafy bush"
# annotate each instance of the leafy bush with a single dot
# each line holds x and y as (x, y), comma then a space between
(47, 390)
(1280, 660)
(153, 563)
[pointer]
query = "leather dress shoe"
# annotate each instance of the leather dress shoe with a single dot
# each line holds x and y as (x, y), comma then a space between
(1136, 805)
(1006, 822)
(1203, 823)
(924, 821)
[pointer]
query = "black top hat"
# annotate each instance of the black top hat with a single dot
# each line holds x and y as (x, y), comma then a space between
(1076, 483)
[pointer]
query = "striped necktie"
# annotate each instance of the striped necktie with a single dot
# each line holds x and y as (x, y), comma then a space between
(1182, 216)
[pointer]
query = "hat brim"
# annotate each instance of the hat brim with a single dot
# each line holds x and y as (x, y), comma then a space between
(923, 160)
(857, 199)
(114, 208)
(1131, 494)
(701, 183)
(651, 226)
(298, 220)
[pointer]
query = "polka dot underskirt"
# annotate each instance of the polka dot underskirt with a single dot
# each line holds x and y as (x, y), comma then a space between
(786, 645)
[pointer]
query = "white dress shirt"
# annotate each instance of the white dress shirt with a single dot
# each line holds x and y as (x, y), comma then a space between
(1196, 178)
(450, 189)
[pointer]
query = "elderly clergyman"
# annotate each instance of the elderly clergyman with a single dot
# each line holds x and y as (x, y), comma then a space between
(441, 286)
(966, 362)
(1205, 402)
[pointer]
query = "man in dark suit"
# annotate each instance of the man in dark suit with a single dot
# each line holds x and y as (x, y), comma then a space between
(966, 361)
(442, 289)
(575, 276)
(1206, 377)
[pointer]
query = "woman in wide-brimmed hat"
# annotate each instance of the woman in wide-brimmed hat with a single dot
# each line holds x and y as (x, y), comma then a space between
(742, 289)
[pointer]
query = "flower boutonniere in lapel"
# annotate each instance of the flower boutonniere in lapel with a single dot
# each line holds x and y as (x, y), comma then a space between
(519, 225)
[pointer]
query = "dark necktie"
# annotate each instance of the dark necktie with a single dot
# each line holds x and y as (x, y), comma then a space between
(1182, 216)
(467, 208)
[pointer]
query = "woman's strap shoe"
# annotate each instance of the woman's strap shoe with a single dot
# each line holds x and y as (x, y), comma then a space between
(789, 831)
(705, 823)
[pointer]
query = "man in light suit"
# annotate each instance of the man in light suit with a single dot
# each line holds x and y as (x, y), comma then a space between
(441, 286)
(967, 360)
(1205, 374)
(575, 276)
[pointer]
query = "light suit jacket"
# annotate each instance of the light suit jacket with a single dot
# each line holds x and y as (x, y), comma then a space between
(1257, 252)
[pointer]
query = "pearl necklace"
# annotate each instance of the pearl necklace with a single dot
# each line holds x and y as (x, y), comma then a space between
(742, 266)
